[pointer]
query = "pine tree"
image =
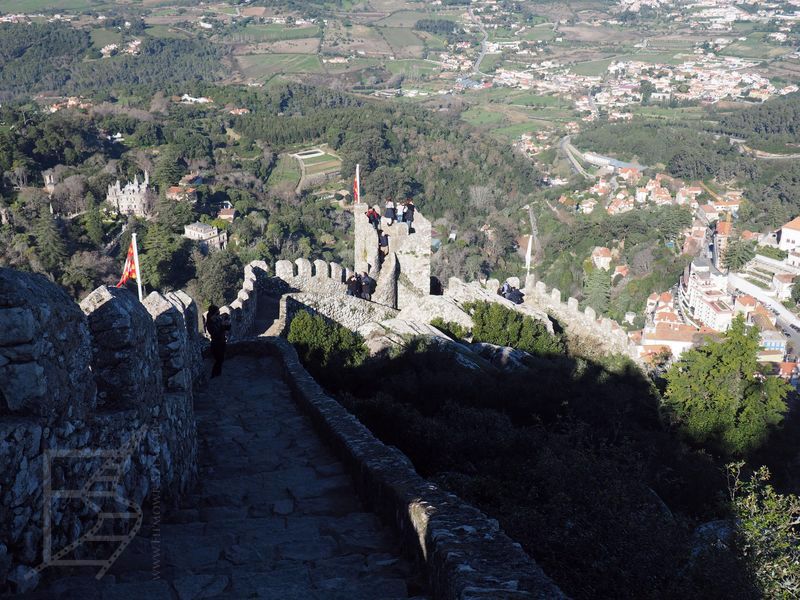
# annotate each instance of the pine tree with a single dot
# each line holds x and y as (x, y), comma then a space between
(169, 168)
(717, 396)
(50, 248)
(738, 254)
(94, 226)
(597, 289)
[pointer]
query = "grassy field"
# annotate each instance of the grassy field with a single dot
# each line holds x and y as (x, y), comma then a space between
(591, 68)
(501, 34)
(165, 32)
(599, 67)
(511, 132)
(275, 33)
(407, 18)
(15, 6)
(104, 37)
(400, 37)
(287, 169)
(535, 34)
(411, 67)
(490, 62)
(479, 116)
(538, 100)
(434, 42)
(264, 66)
(331, 164)
(755, 46)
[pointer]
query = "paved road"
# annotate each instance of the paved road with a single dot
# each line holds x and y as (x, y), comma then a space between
(274, 516)
(785, 318)
(484, 48)
(566, 147)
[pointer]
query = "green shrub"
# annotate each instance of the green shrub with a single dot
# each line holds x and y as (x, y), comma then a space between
(771, 252)
(325, 345)
(496, 324)
(451, 328)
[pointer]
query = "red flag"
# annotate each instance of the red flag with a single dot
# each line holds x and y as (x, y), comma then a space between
(129, 270)
(356, 191)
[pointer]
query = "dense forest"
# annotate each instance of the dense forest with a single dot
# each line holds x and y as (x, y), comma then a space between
(58, 58)
(776, 121)
(648, 241)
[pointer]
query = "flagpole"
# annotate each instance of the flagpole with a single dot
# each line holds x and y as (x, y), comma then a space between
(358, 183)
(136, 263)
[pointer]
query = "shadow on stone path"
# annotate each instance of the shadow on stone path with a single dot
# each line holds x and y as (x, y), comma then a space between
(274, 515)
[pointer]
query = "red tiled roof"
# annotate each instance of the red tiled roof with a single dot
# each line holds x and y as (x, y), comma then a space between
(793, 224)
(746, 300)
(724, 228)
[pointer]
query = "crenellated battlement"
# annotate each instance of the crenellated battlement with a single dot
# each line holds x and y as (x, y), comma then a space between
(88, 378)
(606, 333)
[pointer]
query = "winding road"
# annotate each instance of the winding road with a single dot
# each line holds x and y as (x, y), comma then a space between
(477, 69)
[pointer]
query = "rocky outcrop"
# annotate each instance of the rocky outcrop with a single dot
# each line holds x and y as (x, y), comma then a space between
(462, 293)
(395, 333)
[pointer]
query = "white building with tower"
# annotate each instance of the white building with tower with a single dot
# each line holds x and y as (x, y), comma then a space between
(135, 198)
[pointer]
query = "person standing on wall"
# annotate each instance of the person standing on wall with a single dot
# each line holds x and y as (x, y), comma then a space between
(389, 212)
(409, 214)
(217, 326)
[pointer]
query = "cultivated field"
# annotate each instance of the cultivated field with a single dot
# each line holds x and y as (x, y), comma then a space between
(265, 66)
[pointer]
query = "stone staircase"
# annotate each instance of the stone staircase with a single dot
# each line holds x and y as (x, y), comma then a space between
(274, 514)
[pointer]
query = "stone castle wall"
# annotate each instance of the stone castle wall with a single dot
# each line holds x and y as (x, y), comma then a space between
(110, 375)
(243, 309)
(412, 251)
(605, 333)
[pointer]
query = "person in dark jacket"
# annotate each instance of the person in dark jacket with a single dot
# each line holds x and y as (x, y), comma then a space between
(354, 285)
(367, 286)
(409, 214)
(217, 326)
(383, 244)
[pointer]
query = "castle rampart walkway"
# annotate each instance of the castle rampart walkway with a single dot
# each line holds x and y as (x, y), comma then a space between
(274, 514)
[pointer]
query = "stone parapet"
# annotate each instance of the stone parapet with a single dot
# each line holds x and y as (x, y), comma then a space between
(116, 379)
(44, 349)
(462, 293)
(465, 554)
(125, 359)
(242, 311)
(605, 333)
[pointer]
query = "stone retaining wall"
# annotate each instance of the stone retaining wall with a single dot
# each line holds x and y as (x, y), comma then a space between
(105, 377)
(606, 333)
(465, 554)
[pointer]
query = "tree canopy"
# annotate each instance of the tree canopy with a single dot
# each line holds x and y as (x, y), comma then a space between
(718, 397)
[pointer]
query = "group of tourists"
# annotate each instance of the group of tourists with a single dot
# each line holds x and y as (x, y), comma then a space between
(402, 212)
(509, 292)
(361, 286)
